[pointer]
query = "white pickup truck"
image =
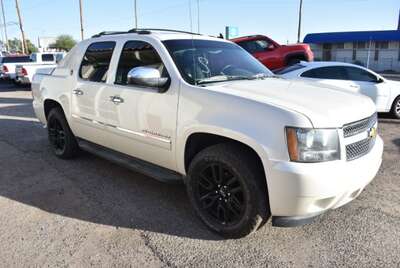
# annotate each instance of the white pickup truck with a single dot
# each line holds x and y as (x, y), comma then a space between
(24, 72)
(177, 106)
(8, 64)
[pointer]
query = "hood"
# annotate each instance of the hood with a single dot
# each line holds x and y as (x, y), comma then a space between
(299, 46)
(324, 107)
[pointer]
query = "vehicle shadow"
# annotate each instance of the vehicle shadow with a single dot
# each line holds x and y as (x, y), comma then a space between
(397, 143)
(7, 86)
(87, 188)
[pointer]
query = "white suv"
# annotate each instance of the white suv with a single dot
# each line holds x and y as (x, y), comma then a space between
(248, 146)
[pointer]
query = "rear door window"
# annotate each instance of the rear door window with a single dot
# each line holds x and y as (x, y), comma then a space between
(357, 74)
(47, 57)
(96, 62)
(331, 72)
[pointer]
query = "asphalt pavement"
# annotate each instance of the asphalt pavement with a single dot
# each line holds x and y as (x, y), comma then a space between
(90, 212)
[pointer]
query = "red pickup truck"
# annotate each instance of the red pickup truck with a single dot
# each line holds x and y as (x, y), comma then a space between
(272, 54)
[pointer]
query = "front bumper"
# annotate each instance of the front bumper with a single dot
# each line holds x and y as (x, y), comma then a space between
(308, 189)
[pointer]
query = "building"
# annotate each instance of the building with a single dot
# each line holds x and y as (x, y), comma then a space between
(44, 43)
(378, 50)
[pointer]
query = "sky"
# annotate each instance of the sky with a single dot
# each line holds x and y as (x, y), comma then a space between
(275, 18)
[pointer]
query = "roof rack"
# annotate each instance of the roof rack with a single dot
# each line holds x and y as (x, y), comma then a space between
(140, 31)
(161, 30)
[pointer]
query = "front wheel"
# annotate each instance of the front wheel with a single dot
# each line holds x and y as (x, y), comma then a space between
(228, 191)
(396, 108)
(61, 138)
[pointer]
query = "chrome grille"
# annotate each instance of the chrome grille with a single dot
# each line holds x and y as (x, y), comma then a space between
(359, 149)
(359, 126)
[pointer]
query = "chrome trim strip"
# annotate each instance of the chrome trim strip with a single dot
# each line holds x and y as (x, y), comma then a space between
(141, 134)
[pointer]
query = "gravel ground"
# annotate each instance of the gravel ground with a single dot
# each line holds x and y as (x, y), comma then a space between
(90, 212)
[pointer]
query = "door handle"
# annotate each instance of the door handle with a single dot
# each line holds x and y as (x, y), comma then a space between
(353, 86)
(116, 99)
(77, 92)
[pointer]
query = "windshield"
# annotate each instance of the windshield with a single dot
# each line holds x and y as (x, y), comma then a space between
(289, 69)
(205, 61)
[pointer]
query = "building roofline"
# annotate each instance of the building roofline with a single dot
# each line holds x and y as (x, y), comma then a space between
(362, 36)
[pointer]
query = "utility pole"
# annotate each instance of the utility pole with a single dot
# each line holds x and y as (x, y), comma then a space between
(24, 46)
(4, 25)
(135, 6)
(299, 26)
(81, 18)
(198, 16)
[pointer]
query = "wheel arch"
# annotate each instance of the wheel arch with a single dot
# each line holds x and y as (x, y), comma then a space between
(195, 141)
(295, 55)
(49, 104)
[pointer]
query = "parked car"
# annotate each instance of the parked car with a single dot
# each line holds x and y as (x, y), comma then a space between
(354, 78)
(272, 54)
(179, 106)
(24, 72)
(8, 64)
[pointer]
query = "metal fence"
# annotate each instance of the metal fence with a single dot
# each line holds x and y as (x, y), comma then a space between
(383, 60)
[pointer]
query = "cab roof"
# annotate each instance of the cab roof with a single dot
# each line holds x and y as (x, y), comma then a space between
(160, 34)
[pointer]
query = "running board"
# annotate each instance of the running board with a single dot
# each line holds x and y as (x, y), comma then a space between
(132, 163)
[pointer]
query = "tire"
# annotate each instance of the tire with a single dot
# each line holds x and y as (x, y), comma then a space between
(235, 204)
(61, 138)
(396, 108)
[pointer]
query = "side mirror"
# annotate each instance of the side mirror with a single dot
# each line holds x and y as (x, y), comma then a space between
(270, 47)
(147, 77)
(379, 80)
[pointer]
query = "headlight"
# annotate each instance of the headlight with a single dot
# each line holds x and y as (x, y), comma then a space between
(312, 145)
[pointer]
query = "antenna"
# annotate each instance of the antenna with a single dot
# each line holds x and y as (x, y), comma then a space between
(190, 16)
(198, 16)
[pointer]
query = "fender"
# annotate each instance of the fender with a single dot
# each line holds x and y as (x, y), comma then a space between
(226, 133)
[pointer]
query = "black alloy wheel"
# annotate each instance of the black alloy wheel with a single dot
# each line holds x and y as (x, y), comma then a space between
(61, 138)
(57, 136)
(227, 188)
(220, 194)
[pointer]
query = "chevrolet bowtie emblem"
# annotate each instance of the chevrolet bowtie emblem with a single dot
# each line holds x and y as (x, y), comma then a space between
(372, 132)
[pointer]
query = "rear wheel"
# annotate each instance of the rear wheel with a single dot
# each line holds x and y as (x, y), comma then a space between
(228, 191)
(61, 138)
(396, 108)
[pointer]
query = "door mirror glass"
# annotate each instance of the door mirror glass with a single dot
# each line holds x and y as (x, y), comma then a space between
(146, 77)
(270, 47)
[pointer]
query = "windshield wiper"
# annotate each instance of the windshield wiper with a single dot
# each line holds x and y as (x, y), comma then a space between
(225, 78)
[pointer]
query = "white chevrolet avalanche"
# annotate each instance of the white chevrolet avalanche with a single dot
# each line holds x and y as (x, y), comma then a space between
(176, 106)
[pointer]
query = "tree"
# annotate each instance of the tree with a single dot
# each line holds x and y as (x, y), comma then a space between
(15, 46)
(64, 42)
